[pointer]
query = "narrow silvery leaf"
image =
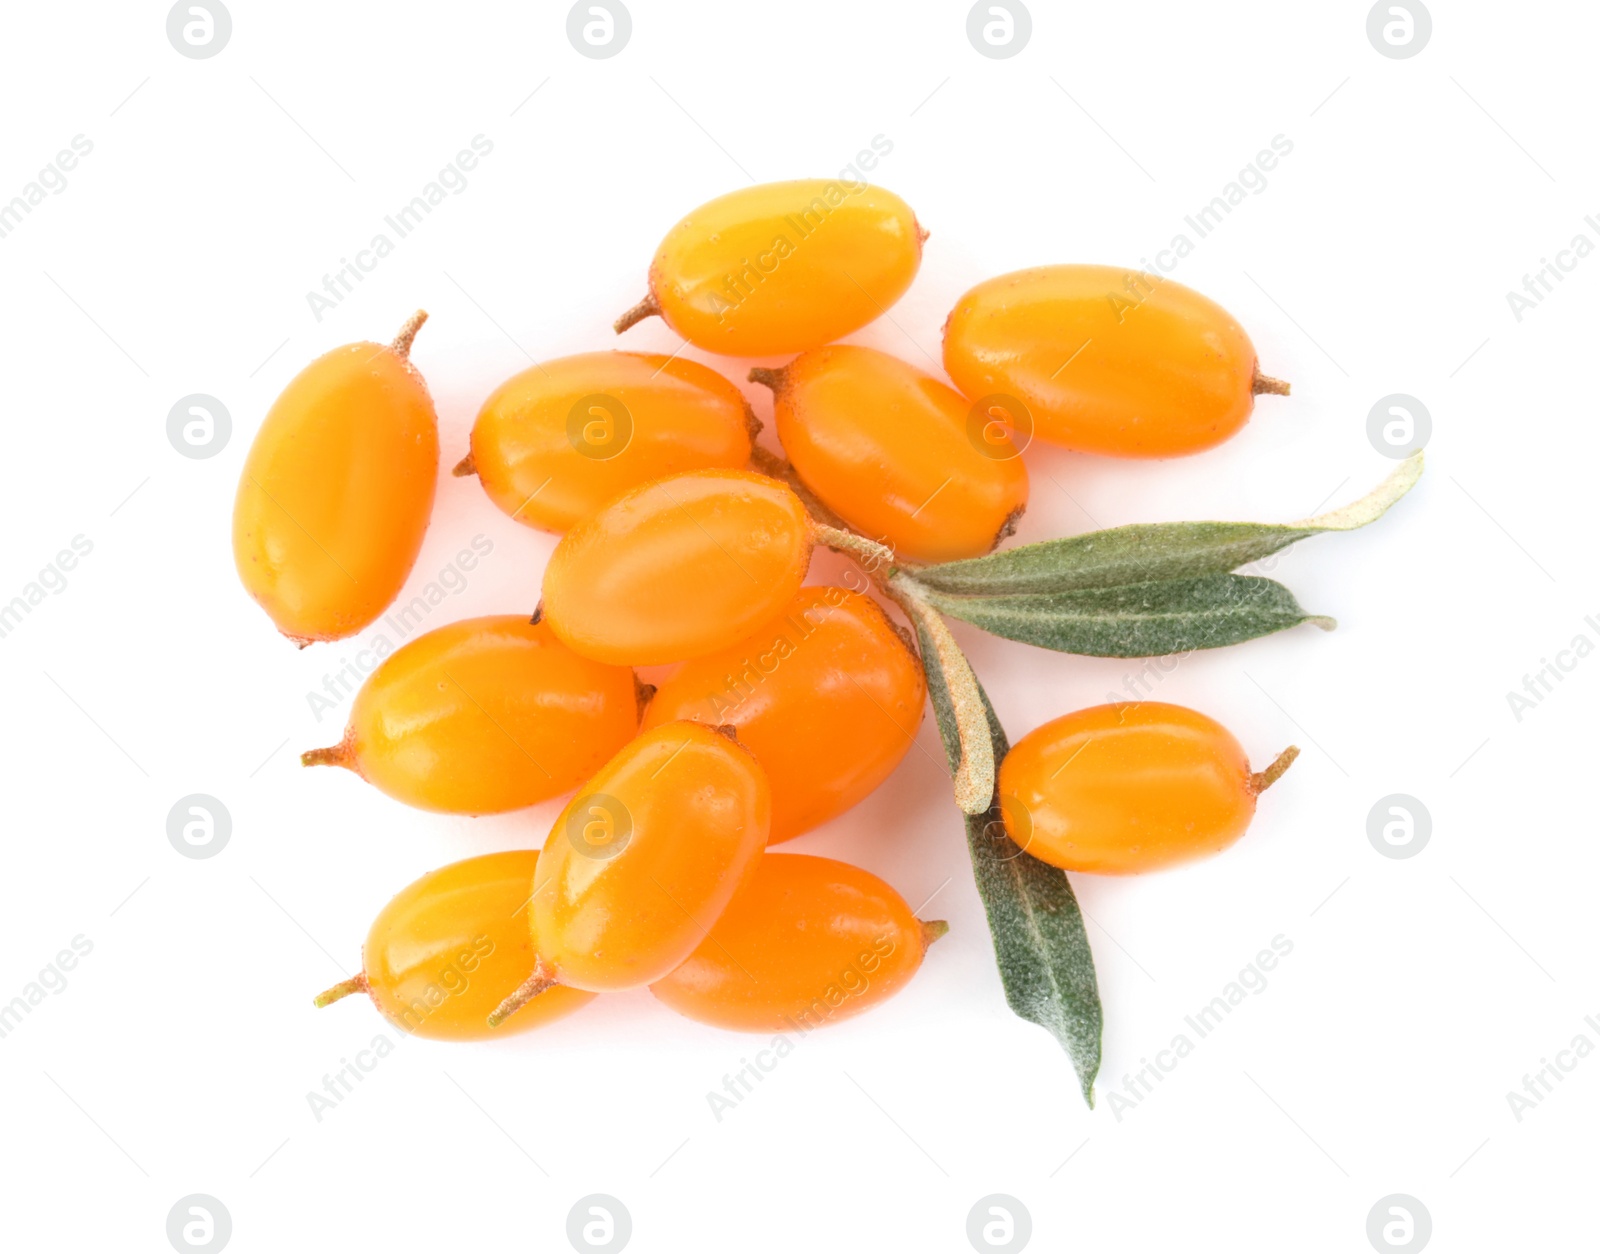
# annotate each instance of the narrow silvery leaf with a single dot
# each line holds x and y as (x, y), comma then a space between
(1040, 945)
(1146, 552)
(1137, 620)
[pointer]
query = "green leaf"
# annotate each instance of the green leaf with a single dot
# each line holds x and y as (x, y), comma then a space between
(1138, 620)
(1147, 552)
(1046, 966)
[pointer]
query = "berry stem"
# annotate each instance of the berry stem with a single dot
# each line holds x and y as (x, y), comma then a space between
(874, 558)
(466, 466)
(752, 425)
(649, 307)
(543, 978)
(974, 781)
(1009, 527)
(775, 467)
(333, 755)
(767, 377)
(1263, 780)
(1264, 383)
(341, 990)
(932, 930)
(642, 692)
(402, 342)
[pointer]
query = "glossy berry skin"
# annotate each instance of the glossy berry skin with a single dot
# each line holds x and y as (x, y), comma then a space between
(443, 953)
(783, 267)
(897, 454)
(1128, 787)
(336, 491)
(678, 568)
(808, 942)
(485, 715)
(826, 695)
(1106, 360)
(556, 442)
(646, 857)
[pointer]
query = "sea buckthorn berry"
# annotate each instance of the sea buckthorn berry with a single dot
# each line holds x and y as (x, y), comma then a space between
(556, 442)
(678, 567)
(782, 267)
(337, 489)
(644, 859)
(485, 715)
(1107, 360)
(826, 695)
(897, 454)
(808, 942)
(1129, 787)
(448, 948)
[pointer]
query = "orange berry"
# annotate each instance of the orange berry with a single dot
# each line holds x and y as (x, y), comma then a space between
(678, 568)
(782, 267)
(485, 715)
(1129, 787)
(808, 942)
(1106, 360)
(827, 696)
(897, 454)
(556, 442)
(646, 857)
(336, 492)
(448, 948)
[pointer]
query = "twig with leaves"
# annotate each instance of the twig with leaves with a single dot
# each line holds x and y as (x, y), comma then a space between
(1146, 590)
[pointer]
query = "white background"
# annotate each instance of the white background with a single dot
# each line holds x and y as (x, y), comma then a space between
(1419, 992)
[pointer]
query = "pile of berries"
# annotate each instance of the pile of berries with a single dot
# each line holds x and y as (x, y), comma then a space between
(685, 543)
